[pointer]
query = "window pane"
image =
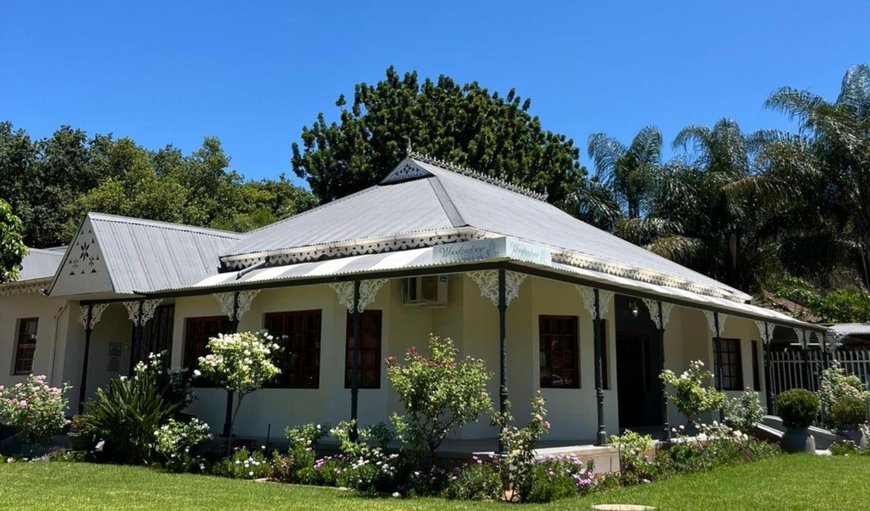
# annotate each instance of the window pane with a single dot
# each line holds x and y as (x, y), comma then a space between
(370, 350)
(25, 345)
(298, 333)
(197, 333)
(559, 364)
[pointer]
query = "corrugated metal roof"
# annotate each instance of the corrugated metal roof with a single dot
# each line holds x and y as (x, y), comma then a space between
(379, 211)
(850, 328)
(422, 258)
(423, 197)
(144, 255)
(41, 263)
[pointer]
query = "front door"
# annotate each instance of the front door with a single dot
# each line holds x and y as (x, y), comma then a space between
(637, 370)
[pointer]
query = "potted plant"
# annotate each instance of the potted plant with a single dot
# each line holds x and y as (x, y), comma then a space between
(81, 436)
(848, 413)
(798, 408)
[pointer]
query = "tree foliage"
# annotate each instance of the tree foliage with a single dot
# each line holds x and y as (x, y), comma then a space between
(55, 181)
(12, 248)
(466, 124)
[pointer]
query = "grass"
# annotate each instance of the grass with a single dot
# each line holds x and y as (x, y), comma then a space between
(791, 483)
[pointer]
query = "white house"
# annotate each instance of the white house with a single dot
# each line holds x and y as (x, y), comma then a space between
(431, 249)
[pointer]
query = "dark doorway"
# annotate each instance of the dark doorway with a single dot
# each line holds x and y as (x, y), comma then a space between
(638, 359)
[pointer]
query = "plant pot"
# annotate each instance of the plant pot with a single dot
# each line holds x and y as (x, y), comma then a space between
(798, 440)
(853, 434)
(80, 442)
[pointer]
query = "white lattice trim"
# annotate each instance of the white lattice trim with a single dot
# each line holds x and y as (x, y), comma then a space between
(588, 295)
(368, 292)
(227, 303)
(246, 298)
(487, 281)
(655, 307)
(96, 314)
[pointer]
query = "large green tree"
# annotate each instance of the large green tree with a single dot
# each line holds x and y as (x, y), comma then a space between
(53, 183)
(821, 176)
(465, 124)
(12, 249)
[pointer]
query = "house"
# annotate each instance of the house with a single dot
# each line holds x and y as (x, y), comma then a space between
(546, 300)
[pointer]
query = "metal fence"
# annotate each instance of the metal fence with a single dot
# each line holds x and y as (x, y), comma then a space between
(793, 369)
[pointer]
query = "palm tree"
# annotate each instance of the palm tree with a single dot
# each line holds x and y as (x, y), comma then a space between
(820, 177)
(706, 226)
(627, 171)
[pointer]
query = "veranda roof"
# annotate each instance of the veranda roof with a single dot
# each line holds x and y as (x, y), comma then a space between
(423, 261)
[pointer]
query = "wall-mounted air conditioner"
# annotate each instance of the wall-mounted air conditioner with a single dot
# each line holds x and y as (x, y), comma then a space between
(428, 291)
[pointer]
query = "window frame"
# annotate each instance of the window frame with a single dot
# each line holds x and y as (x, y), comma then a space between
(730, 381)
(189, 360)
(569, 355)
(367, 323)
(756, 367)
(22, 347)
(305, 372)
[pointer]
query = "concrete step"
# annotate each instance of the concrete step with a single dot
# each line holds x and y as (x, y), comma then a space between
(823, 437)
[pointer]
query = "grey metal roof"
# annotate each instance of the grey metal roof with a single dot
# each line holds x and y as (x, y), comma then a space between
(144, 255)
(41, 263)
(378, 211)
(851, 328)
(419, 196)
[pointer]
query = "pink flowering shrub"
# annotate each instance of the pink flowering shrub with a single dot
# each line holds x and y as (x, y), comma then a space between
(34, 409)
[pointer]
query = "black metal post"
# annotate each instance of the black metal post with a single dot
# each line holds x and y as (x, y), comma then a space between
(234, 326)
(502, 351)
(665, 422)
(768, 372)
(84, 383)
(718, 347)
(354, 371)
(136, 348)
(601, 436)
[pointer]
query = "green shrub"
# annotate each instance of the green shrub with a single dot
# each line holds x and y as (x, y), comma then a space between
(175, 441)
(298, 462)
(439, 393)
(843, 448)
(798, 408)
(690, 393)
(125, 416)
(835, 385)
(475, 481)
(849, 412)
(744, 412)
(34, 409)
(244, 464)
(549, 486)
(634, 466)
(516, 467)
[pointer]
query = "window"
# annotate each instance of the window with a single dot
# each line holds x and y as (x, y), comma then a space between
(560, 365)
(25, 346)
(756, 379)
(370, 351)
(197, 333)
(732, 368)
(298, 333)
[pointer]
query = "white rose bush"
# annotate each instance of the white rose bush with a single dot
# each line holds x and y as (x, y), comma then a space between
(241, 363)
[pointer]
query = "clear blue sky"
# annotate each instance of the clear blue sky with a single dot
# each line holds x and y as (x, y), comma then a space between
(253, 73)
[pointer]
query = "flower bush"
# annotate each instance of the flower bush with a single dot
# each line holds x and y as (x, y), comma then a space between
(174, 382)
(368, 468)
(834, 385)
(715, 445)
(517, 465)
(634, 465)
(34, 409)
(797, 407)
(244, 464)
(440, 393)
(477, 480)
(175, 440)
(299, 461)
(241, 363)
(690, 394)
(745, 411)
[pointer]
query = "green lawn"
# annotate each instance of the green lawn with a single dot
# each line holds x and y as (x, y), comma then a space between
(781, 483)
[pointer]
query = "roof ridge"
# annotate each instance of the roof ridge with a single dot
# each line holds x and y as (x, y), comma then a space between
(107, 217)
(446, 202)
(478, 175)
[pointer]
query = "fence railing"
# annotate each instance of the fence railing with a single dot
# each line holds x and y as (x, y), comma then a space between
(787, 368)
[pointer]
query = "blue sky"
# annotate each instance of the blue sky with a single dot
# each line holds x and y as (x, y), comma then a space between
(253, 73)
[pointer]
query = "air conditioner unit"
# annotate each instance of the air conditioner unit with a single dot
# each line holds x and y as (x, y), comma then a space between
(428, 291)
